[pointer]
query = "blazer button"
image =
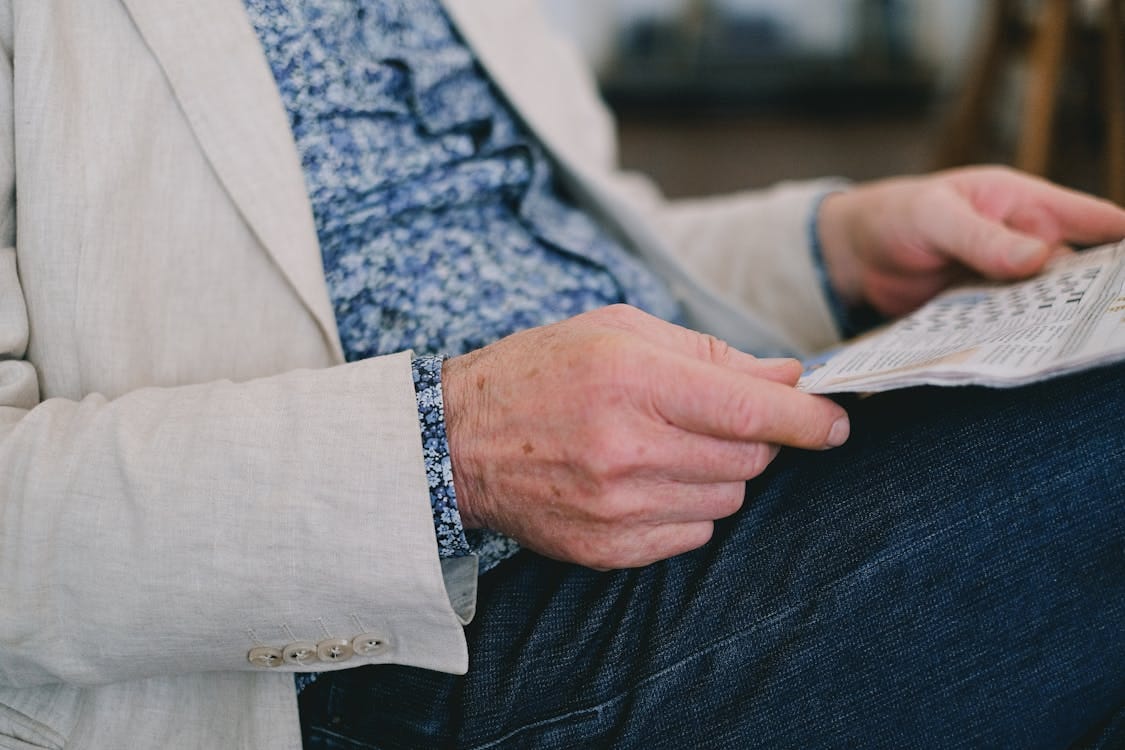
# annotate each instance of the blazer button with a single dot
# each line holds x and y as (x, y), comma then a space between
(301, 653)
(265, 657)
(369, 645)
(334, 650)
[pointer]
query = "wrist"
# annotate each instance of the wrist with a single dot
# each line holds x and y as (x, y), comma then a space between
(837, 245)
(462, 399)
(838, 257)
(427, 371)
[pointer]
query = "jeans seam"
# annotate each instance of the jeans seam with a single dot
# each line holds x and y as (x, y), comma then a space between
(546, 722)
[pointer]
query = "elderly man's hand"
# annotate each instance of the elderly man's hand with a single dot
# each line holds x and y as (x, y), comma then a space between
(614, 439)
(894, 244)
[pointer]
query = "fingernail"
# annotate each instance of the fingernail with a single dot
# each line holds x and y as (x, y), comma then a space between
(1025, 252)
(838, 435)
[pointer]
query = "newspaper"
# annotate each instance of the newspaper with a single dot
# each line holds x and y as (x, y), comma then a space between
(1070, 317)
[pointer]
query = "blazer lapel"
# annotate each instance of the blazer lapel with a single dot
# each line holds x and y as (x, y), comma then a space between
(216, 68)
(497, 32)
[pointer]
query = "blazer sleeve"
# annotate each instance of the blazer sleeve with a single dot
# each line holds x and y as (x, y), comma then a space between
(752, 248)
(175, 530)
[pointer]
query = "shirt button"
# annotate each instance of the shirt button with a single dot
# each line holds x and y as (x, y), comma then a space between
(334, 650)
(369, 645)
(300, 653)
(265, 657)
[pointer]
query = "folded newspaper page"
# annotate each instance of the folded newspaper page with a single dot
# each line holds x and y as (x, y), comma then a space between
(1071, 317)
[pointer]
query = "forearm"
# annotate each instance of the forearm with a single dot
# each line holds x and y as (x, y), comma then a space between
(454, 541)
(172, 530)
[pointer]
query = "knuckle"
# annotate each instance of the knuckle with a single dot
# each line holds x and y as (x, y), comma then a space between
(606, 454)
(993, 254)
(714, 349)
(704, 534)
(745, 416)
(1000, 170)
(620, 314)
(759, 457)
(730, 499)
(693, 537)
(608, 509)
(623, 310)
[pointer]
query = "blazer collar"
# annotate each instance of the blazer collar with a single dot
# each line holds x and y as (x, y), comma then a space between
(216, 68)
(519, 68)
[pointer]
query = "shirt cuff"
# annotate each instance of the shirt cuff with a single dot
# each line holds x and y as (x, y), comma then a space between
(490, 547)
(850, 320)
(435, 450)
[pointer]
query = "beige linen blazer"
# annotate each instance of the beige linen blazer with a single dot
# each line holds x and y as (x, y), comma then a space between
(188, 470)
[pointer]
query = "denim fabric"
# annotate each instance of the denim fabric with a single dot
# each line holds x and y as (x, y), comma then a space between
(953, 577)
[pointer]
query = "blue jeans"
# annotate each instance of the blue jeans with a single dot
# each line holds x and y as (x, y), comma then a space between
(953, 577)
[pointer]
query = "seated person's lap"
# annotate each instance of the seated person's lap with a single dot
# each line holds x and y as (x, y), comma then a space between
(954, 573)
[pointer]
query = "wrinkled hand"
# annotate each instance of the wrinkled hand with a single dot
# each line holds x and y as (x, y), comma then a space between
(614, 439)
(894, 244)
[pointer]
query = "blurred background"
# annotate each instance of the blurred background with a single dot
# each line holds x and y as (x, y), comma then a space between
(716, 95)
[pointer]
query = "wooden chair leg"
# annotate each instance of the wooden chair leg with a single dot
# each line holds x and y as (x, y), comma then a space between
(1114, 98)
(963, 133)
(1046, 65)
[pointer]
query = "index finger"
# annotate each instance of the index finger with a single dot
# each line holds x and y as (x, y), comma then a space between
(723, 403)
(1057, 214)
(701, 346)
